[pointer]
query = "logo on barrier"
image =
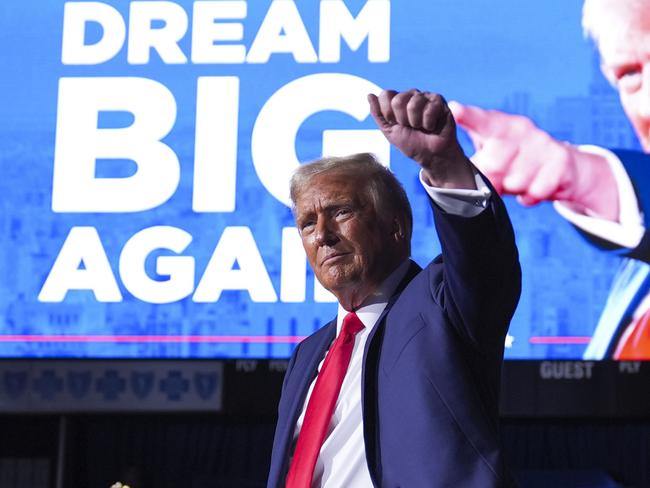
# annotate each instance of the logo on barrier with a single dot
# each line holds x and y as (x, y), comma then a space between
(111, 385)
(79, 383)
(174, 385)
(48, 385)
(15, 383)
(142, 383)
(206, 384)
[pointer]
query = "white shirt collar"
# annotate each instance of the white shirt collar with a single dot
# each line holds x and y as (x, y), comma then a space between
(374, 304)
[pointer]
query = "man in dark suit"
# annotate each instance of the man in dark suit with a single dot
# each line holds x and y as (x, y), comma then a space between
(402, 388)
(603, 193)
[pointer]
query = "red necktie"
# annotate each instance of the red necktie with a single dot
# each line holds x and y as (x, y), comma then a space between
(635, 343)
(321, 404)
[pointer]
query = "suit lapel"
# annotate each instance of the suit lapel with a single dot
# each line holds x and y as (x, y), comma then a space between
(313, 354)
(412, 271)
(304, 371)
(369, 380)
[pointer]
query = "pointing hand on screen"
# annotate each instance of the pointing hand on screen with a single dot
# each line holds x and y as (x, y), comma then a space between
(521, 159)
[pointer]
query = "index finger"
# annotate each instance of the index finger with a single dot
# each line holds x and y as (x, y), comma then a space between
(488, 123)
(375, 111)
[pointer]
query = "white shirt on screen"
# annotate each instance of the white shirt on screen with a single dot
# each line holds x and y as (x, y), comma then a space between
(629, 229)
(342, 458)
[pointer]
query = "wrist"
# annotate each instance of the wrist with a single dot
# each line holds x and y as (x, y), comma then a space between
(596, 188)
(449, 172)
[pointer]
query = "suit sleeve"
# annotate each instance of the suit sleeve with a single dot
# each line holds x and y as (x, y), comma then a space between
(481, 274)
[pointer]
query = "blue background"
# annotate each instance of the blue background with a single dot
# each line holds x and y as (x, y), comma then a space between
(521, 57)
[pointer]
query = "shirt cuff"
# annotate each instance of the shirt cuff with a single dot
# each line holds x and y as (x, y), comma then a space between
(461, 202)
(629, 229)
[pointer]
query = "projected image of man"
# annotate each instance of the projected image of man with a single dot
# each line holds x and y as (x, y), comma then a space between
(604, 193)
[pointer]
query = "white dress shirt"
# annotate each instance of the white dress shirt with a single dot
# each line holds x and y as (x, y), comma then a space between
(342, 458)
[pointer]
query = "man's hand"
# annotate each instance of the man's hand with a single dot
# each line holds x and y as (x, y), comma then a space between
(421, 126)
(521, 159)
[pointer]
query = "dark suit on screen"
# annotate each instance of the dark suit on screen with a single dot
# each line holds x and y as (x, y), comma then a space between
(431, 365)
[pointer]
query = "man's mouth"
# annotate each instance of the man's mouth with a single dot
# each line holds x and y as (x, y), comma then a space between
(333, 257)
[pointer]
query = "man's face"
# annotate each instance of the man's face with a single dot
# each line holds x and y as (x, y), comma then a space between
(347, 245)
(624, 45)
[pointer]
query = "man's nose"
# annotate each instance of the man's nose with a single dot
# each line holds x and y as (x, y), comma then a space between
(324, 233)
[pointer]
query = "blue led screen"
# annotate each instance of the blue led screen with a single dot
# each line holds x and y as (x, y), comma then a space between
(146, 147)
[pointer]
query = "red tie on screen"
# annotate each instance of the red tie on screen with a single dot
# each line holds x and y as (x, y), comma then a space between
(321, 404)
(635, 343)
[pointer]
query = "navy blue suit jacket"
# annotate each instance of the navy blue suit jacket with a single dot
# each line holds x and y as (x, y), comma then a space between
(431, 366)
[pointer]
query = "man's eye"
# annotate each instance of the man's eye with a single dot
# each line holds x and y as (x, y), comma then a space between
(306, 226)
(342, 212)
(629, 79)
